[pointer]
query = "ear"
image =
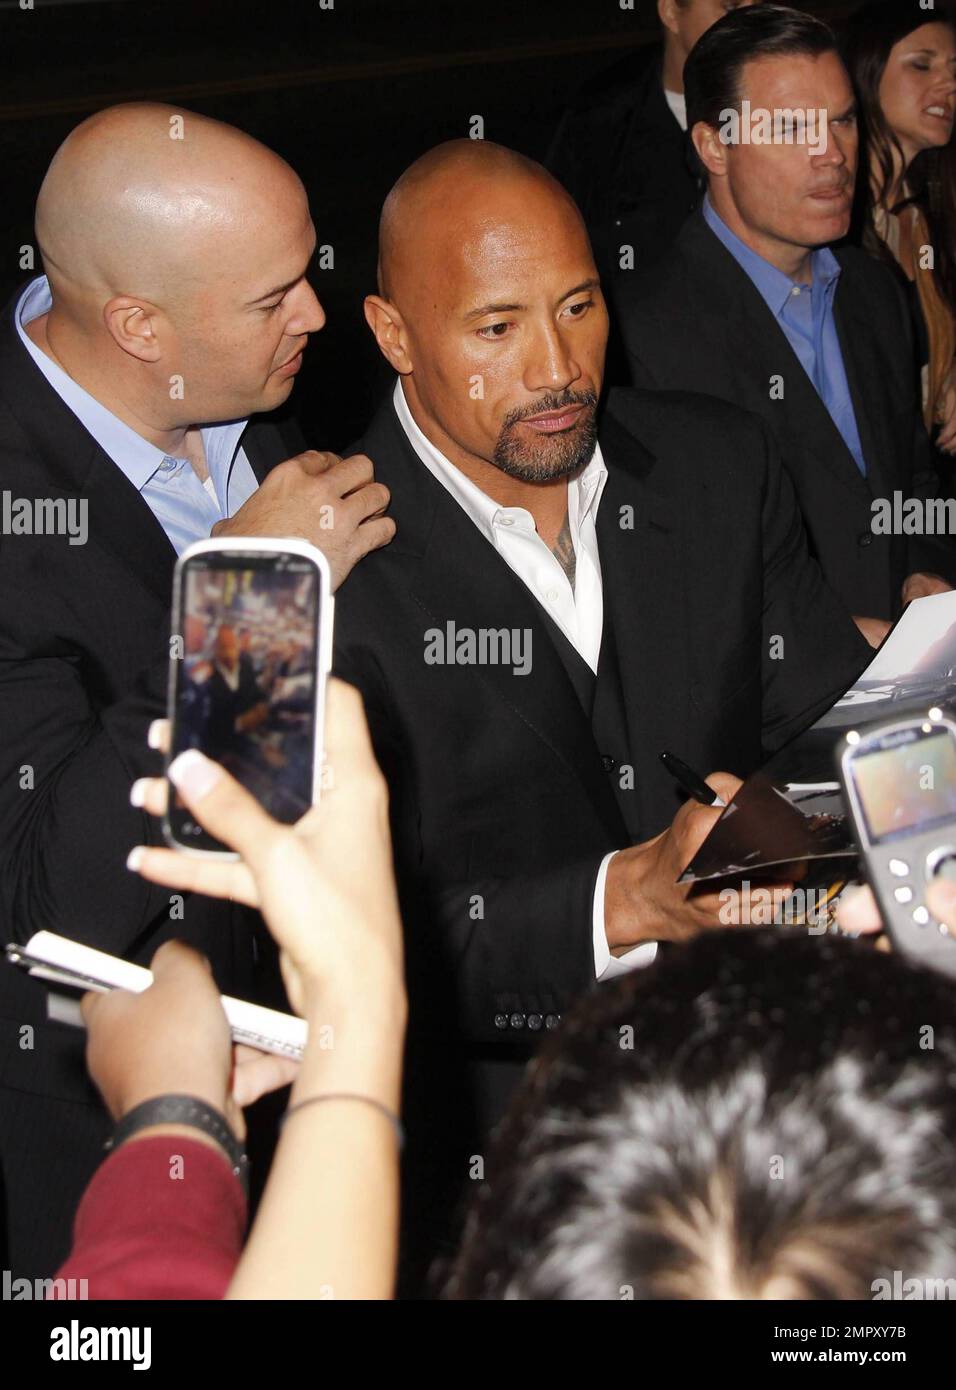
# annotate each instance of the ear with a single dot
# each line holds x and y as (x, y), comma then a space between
(388, 326)
(711, 150)
(133, 324)
(667, 14)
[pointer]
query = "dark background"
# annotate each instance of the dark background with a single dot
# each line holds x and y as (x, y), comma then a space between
(348, 95)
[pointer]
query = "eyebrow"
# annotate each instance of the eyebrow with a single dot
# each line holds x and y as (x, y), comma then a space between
(280, 289)
(851, 110)
(494, 309)
(483, 309)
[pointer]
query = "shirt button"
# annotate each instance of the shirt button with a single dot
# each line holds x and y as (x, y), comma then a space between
(608, 763)
(534, 1022)
(553, 595)
(501, 1020)
(517, 1020)
(506, 520)
(551, 1021)
(865, 539)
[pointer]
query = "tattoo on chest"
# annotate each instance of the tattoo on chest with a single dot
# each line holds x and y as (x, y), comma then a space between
(563, 551)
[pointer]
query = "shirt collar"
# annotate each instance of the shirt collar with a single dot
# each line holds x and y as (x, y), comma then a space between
(826, 269)
(774, 287)
(132, 454)
(584, 491)
(677, 102)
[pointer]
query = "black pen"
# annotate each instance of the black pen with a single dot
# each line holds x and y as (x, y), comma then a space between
(693, 785)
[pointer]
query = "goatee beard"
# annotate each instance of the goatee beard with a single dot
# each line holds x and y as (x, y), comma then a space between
(556, 456)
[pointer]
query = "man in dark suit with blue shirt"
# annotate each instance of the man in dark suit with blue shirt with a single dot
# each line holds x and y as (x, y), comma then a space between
(754, 307)
(174, 309)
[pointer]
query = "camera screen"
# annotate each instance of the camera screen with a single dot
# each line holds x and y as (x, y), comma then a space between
(910, 787)
(246, 678)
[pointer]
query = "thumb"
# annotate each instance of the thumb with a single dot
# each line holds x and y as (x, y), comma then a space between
(173, 958)
(858, 914)
(725, 784)
(315, 461)
(89, 1004)
(222, 806)
(941, 900)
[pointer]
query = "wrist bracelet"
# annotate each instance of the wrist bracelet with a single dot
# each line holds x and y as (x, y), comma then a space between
(392, 1118)
(184, 1110)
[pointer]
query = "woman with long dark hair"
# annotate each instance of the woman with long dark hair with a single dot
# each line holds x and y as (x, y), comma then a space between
(902, 60)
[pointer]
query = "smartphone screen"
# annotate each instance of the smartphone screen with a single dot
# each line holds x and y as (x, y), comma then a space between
(245, 675)
(908, 788)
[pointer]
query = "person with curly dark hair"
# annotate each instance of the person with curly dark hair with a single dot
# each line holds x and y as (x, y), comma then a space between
(695, 1132)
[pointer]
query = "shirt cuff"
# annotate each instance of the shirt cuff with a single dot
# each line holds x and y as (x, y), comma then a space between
(607, 966)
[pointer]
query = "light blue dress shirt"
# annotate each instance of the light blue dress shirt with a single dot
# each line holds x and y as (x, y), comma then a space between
(805, 314)
(186, 508)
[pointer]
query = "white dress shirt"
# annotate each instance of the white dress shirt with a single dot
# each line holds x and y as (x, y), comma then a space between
(578, 611)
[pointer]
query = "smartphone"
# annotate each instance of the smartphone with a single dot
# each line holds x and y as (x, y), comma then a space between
(899, 781)
(250, 652)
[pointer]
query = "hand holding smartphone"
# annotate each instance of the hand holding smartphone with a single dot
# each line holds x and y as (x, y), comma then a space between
(250, 653)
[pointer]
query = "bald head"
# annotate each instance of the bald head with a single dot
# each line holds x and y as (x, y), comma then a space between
(450, 196)
(490, 309)
(138, 198)
(176, 249)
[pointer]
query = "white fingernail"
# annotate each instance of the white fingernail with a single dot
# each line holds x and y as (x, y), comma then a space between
(137, 792)
(154, 734)
(193, 773)
(135, 857)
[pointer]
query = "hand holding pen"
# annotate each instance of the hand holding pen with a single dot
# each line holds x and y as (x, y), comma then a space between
(691, 781)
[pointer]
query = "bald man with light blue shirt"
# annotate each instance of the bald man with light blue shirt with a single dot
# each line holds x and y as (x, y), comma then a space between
(186, 508)
(138, 381)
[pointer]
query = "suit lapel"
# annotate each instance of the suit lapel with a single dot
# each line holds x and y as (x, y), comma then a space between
(463, 580)
(71, 459)
(120, 520)
(126, 523)
(645, 564)
(264, 447)
(454, 575)
(123, 523)
(770, 352)
(854, 332)
(761, 349)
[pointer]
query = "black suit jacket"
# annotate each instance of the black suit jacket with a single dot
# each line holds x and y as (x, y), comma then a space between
(507, 790)
(623, 157)
(698, 323)
(84, 652)
(632, 171)
(504, 799)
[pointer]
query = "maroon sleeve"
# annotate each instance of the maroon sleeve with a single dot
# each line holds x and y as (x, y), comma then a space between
(162, 1218)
